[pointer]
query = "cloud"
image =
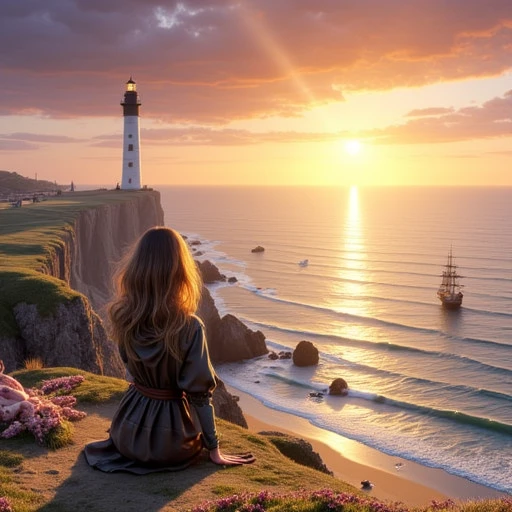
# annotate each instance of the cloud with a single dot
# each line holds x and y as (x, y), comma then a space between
(214, 61)
(39, 137)
(422, 126)
(490, 120)
(16, 145)
(432, 111)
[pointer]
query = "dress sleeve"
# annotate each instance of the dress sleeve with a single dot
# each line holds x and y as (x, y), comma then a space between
(198, 380)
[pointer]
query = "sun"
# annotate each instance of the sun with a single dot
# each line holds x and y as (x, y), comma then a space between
(353, 147)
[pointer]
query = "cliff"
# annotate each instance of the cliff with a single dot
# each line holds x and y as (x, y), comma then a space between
(56, 263)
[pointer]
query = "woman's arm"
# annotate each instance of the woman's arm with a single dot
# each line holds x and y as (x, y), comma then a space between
(198, 380)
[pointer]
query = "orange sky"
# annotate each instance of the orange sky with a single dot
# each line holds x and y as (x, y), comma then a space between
(260, 92)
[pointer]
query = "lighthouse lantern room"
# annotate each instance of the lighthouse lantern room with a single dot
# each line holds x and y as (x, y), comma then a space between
(131, 138)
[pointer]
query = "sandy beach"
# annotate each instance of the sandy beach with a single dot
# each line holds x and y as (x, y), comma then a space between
(393, 478)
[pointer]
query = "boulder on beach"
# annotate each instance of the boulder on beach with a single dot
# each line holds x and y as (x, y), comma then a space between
(338, 387)
(258, 248)
(305, 354)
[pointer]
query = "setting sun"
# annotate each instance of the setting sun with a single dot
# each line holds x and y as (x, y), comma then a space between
(353, 147)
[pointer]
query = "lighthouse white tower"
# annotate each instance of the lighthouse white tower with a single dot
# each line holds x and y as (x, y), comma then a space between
(131, 138)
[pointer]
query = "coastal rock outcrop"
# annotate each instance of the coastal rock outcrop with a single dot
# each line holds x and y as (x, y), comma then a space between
(73, 336)
(258, 248)
(229, 339)
(297, 449)
(226, 406)
(209, 272)
(305, 354)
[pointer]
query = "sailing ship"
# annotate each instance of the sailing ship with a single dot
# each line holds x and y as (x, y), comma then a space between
(449, 292)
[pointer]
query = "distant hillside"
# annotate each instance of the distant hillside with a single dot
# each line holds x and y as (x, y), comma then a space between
(14, 183)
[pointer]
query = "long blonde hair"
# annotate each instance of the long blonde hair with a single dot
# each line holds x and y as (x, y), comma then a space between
(158, 288)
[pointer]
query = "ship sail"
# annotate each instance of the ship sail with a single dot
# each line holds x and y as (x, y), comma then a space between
(449, 292)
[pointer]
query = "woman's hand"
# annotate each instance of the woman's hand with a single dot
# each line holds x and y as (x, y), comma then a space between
(230, 460)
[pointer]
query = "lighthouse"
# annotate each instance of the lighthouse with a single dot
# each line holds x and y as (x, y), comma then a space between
(131, 138)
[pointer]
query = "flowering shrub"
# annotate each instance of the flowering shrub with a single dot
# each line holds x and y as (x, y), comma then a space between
(65, 384)
(45, 410)
(5, 506)
(326, 500)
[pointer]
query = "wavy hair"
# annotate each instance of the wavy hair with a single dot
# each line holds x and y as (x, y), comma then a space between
(157, 291)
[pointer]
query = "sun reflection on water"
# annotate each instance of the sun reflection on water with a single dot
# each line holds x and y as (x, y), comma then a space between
(350, 287)
(353, 259)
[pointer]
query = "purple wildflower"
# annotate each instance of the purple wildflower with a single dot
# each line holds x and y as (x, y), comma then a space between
(5, 506)
(61, 384)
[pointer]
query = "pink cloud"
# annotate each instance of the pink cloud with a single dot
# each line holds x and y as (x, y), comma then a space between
(212, 61)
(492, 119)
(16, 145)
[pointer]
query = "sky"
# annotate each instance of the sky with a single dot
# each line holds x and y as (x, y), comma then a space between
(260, 92)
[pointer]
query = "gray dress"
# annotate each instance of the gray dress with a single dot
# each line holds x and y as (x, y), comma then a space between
(166, 417)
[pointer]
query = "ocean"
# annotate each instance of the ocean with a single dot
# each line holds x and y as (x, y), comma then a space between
(426, 384)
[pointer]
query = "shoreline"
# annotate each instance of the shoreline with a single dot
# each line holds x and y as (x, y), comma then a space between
(395, 479)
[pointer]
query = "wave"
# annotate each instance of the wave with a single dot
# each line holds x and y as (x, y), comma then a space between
(380, 346)
(452, 415)
(270, 295)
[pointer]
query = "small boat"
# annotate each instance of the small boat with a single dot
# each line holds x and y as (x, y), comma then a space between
(449, 292)
(303, 263)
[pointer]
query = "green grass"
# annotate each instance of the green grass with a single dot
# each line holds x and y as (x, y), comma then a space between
(94, 389)
(21, 500)
(22, 285)
(30, 238)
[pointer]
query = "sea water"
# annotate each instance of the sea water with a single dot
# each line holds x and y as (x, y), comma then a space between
(426, 384)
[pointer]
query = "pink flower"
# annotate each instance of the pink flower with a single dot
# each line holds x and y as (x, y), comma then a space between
(5, 506)
(43, 411)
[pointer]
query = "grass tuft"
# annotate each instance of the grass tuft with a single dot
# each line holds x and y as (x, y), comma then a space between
(9, 459)
(60, 436)
(33, 363)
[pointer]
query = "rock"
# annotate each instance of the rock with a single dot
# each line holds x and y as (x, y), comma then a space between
(258, 248)
(226, 406)
(209, 272)
(305, 354)
(366, 484)
(338, 387)
(228, 338)
(273, 356)
(297, 449)
(195, 242)
(232, 279)
(72, 336)
(285, 355)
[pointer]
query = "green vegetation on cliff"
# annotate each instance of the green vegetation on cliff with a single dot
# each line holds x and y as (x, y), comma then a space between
(14, 183)
(30, 238)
